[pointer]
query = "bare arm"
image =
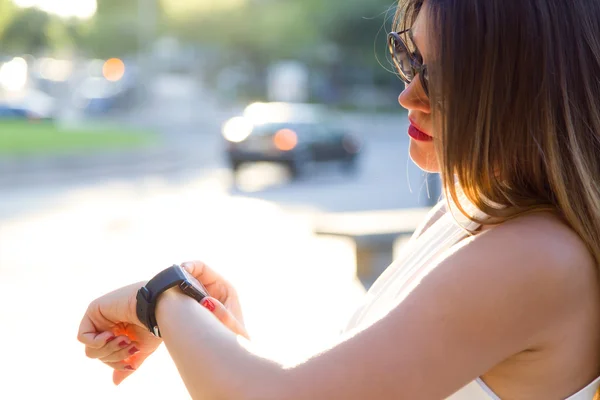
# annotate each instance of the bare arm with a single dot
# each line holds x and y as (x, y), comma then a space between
(477, 307)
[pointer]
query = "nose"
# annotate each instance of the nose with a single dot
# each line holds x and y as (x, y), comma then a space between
(413, 97)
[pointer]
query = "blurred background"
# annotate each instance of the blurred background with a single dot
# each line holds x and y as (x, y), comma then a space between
(135, 134)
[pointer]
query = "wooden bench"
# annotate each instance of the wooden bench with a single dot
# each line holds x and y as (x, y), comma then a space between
(374, 233)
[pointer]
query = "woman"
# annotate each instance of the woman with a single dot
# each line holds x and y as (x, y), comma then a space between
(503, 102)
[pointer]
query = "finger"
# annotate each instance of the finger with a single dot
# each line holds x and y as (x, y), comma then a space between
(122, 354)
(124, 369)
(120, 375)
(112, 345)
(223, 314)
(199, 270)
(121, 366)
(93, 339)
(216, 285)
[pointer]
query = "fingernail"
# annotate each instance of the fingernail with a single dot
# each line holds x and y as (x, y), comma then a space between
(110, 339)
(133, 350)
(187, 265)
(123, 343)
(129, 367)
(208, 304)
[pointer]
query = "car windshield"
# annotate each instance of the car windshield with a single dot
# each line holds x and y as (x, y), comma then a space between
(271, 129)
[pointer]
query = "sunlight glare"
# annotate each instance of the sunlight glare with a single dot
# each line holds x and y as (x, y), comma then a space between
(83, 9)
(13, 74)
(185, 7)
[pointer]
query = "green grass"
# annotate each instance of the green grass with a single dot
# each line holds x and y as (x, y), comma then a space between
(21, 138)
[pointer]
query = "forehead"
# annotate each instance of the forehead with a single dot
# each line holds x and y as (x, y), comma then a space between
(420, 29)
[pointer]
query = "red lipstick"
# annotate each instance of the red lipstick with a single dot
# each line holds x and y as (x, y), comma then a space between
(418, 134)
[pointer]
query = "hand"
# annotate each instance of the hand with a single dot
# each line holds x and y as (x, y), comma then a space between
(114, 316)
(227, 308)
(113, 334)
(225, 316)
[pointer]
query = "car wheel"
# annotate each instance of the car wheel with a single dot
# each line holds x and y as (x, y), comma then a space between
(235, 166)
(350, 165)
(298, 165)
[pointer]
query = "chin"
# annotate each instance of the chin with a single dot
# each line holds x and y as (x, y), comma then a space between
(424, 156)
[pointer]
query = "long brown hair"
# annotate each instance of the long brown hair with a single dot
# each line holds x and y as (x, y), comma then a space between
(516, 86)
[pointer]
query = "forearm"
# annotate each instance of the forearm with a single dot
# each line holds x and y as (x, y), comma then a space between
(210, 359)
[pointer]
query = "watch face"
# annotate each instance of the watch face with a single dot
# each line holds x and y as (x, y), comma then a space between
(194, 288)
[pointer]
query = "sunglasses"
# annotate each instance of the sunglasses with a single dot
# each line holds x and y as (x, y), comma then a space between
(408, 63)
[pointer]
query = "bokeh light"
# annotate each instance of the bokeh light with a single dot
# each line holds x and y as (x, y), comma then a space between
(285, 139)
(237, 129)
(83, 9)
(113, 69)
(13, 74)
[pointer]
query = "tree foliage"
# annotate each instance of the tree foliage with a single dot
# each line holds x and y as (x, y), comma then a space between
(27, 32)
(7, 10)
(323, 33)
(33, 31)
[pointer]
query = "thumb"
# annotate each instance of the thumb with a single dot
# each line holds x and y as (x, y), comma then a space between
(224, 315)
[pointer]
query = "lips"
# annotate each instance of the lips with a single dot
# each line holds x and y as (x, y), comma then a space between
(418, 134)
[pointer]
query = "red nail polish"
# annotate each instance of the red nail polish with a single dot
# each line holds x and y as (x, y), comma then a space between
(129, 367)
(133, 350)
(110, 339)
(123, 343)
(208, 304)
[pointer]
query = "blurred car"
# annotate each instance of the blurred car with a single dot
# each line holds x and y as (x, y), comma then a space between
(30, 104)
(97, 96)
(289, 134)
(10, 111)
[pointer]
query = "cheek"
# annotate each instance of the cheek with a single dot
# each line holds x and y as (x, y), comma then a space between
(424, 156)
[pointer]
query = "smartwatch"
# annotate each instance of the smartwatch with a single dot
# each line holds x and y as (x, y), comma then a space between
(165, 280)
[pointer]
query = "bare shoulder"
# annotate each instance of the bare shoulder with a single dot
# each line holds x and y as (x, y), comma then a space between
(535, 264)
(539, 246)
(497, 294)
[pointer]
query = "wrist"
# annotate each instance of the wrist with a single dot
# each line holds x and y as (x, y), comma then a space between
(132, 306)
(167, 301)
(169, 296)
(166, 285)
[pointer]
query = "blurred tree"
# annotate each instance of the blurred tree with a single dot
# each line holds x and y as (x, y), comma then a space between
(7, 10)
(120, 28)
(341, 40)
(268, 30)
(110, 38)
(116, 7)
(32, 31)
(27, 32)
(181, 8)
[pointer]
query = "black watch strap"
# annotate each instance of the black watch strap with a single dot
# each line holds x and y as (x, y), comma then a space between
(148, 295)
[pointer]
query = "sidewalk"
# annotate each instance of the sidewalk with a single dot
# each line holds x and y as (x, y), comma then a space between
(54, 262)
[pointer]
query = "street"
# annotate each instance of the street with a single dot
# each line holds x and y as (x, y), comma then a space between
(69, 239)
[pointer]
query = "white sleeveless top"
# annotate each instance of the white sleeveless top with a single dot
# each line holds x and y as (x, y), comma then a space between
(413, 264)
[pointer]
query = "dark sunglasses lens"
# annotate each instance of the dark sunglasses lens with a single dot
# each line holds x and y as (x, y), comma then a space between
(401, 59)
